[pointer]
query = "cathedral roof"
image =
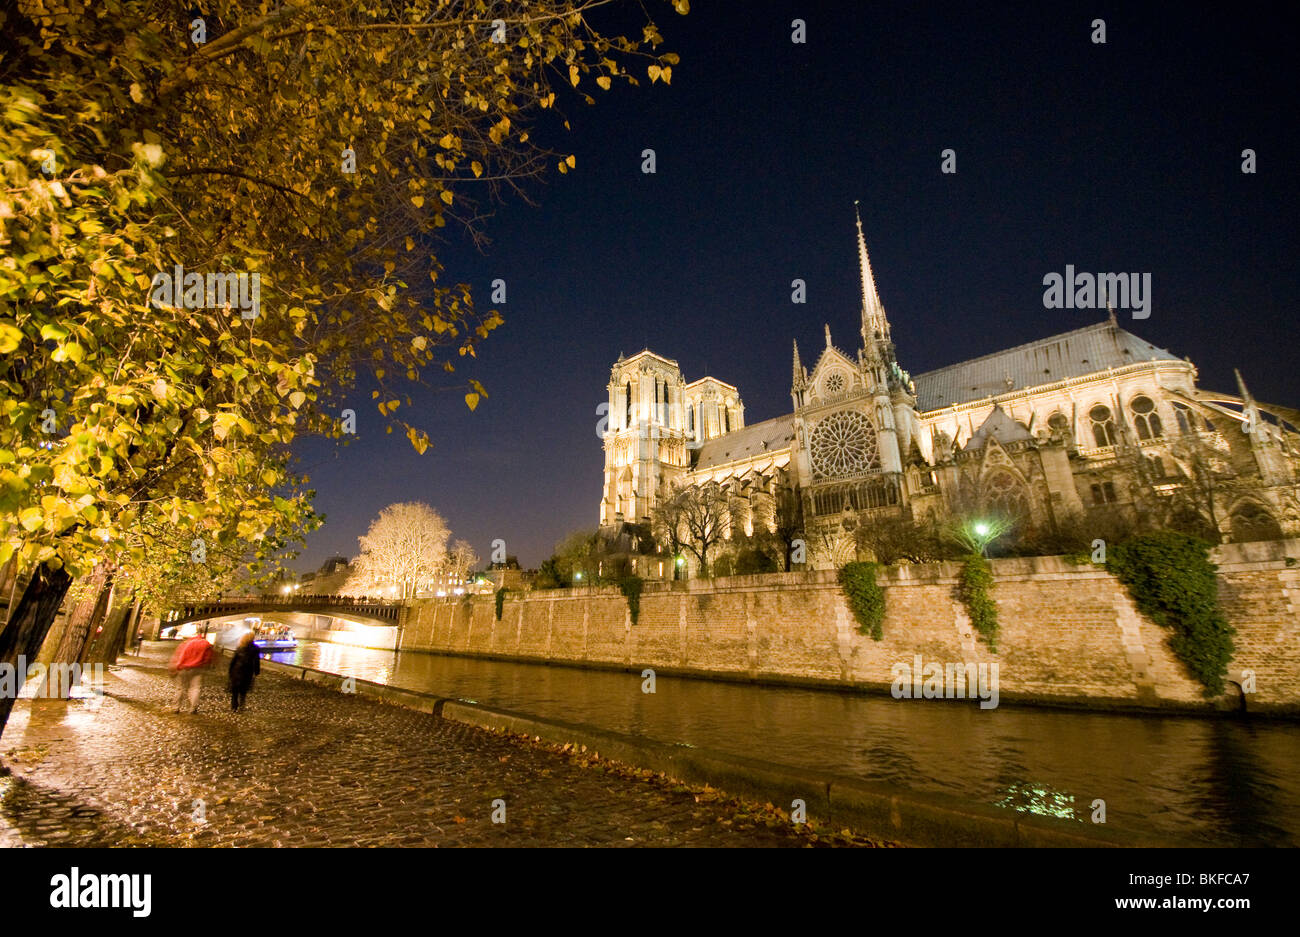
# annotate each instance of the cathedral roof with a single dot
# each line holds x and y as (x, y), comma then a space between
(753, 440)
(999, 426)
(1045, 361)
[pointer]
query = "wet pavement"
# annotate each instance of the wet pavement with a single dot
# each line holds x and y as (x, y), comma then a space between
(306, 766)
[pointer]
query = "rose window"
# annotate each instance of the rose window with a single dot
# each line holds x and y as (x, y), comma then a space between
(1005, 495)
(835, 383)
(844, 444)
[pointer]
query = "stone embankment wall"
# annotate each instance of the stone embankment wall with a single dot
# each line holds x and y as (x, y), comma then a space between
(1069, 634)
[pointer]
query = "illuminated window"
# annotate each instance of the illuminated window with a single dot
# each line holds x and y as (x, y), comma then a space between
(1146, 419)
(1103, 426)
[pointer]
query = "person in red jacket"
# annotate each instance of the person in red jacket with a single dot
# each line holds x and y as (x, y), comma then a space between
(188, 663)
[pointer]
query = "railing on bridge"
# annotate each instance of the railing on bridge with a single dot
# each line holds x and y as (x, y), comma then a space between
(380, 609)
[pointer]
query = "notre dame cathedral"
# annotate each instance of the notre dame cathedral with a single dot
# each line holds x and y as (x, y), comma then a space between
(1086, 424)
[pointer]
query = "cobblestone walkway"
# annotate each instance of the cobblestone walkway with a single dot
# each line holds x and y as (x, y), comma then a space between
(306, 766)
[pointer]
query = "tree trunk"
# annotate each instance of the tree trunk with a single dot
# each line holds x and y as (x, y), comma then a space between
(85, 618)
(105, 647)
(101, 644)
(30, 622)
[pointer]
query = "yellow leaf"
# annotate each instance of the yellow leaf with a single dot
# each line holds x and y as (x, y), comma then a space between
(667, 75)
(446, 196)
(471, 400)
(477, 167)
(573, 75)
(417, 200)
(604, 82)
(410, 244)
(654, 71)
(572, 161)
(447, 141)
(297, 398)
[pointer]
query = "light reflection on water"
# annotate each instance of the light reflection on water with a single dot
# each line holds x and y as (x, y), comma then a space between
(1221, 781)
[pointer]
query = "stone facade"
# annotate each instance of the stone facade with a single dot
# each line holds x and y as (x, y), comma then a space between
(1068, 635)
(1086, 426)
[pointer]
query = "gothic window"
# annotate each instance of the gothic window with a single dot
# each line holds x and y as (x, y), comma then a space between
(844, 444)
(726, 420)
(1146, 419)
(1103, 493)
(690, 422)
(1004, 494)
(627, 402)
(1103, 426)
(835, 384)
(624, 502)
(1184, 416)
(1059, 422)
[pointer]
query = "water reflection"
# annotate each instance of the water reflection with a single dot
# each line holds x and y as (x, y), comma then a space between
(1221, 781)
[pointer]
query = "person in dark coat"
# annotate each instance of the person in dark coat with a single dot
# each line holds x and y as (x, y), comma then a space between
(244, 666)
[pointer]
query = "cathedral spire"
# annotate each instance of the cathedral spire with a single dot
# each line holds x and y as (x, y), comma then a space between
(828, 335)
(874, 324)
(798, 367)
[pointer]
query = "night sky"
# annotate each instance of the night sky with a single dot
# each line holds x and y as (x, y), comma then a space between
(1115, 157)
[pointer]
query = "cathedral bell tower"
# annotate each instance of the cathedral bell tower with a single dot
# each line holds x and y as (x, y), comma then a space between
(645, 433)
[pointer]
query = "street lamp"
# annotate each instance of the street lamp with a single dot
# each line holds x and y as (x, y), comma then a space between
(982, 532)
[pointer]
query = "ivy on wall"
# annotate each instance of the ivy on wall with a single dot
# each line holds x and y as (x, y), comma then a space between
(631, 588)
(1172, 580)
(973, 587)
(501, 598)
(865, 598)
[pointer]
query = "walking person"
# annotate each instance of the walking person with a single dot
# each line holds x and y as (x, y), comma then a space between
(188, 663)
(244, 666)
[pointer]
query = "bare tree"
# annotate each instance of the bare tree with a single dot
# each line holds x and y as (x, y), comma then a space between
(696, 519)
(787, 514)
(461, 558)
(405, 545)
